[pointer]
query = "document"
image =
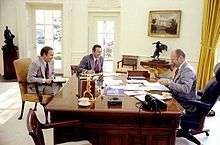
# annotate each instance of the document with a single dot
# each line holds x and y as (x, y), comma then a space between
(136, 81)
(160, 97)
(134, 93)
(155, 86)
(112, 91)
(60, 80)
(110, 82)
(135, 87)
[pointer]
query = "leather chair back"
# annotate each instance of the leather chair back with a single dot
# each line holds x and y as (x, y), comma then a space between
(21, 68)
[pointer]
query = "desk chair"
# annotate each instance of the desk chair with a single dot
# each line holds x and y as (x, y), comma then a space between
(74, 69)
(192, 122)
(35, 129)
(129, 61)
(21, 68)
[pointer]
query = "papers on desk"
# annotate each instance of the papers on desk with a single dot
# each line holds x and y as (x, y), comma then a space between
(160, 97)
(149, 86)
(135, 87)
(60, 80)
(110, 82)
(155, 86)
(114, 91)
(136, 78)
(134, 93)
(136, 81)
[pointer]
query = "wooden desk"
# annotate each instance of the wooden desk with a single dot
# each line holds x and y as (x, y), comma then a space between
(155, 64)
(125, 125)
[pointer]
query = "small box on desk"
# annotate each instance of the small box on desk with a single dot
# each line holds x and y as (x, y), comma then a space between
(114, 102)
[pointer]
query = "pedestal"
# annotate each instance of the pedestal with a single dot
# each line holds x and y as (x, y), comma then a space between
(10, 53)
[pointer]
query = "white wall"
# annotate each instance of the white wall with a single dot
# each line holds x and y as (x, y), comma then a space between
(133, 24)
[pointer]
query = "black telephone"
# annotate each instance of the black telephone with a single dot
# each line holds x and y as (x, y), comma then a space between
(153, 103)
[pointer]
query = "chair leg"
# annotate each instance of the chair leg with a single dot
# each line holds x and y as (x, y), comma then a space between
(206, 131)
(35, 106)
(186, 134)
(22, 110)
(192, 138)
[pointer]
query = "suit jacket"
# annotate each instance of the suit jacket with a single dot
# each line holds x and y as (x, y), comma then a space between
(36, 73)
(183, 86)
(87, 63)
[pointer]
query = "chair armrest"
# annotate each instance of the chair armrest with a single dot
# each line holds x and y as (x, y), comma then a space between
(198, 103)
(36, 84)
(71, 123)
(199, 93)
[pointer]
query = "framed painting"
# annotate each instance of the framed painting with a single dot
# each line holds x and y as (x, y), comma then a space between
(164, 23)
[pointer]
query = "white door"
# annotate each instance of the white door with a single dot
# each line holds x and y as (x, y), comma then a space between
(103, 30)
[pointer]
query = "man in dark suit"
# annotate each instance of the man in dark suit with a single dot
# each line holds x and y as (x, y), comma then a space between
(183, 85)
(42, 71)
(92, 63)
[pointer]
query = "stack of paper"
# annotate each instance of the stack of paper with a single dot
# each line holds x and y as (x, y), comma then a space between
(134, 93)
(155, 86)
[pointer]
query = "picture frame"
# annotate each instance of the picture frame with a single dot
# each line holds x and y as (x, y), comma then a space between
(164, 23)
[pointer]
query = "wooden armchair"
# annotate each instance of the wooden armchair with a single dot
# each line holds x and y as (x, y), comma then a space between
(74, 69)
(35, 129)
(21, 69)
(127, 60)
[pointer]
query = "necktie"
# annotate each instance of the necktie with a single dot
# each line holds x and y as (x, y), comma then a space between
(176, 72)
(47, 71)
(96, 68)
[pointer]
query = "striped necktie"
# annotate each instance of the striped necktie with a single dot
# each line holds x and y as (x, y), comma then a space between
(176, 72)
(96, 68)
(47, 71)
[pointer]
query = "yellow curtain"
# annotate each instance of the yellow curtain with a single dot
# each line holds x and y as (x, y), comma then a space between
(210, 35)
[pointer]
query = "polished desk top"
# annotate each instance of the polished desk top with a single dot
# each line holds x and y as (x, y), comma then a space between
(156, 63)
(66, 100)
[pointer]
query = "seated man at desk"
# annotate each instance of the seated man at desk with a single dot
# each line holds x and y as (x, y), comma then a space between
(183, 85)
(42, 71)
(92, 63)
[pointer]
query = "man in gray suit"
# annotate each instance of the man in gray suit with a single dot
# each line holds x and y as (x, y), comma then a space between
(183, 85)
(92, 63)
(42, 71)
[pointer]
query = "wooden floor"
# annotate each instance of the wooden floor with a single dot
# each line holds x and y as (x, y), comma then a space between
(14, 132)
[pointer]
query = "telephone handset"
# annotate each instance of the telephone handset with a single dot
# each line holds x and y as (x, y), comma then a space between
(152, 103)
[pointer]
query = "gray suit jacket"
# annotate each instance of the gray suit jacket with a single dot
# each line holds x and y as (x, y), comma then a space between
(87, 63)
(36, 73)
(183, 86)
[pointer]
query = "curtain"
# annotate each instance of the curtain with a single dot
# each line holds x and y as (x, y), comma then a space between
(209, 39)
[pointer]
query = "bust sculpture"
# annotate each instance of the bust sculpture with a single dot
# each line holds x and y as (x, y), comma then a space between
(10, 53)
(159, 48)
(8, 37)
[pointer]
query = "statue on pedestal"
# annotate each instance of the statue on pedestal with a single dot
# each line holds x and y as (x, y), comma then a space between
(10, 53)
(8, 37)
(159, 48)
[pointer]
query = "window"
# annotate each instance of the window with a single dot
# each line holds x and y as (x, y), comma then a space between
(49, 33)
(105, 37)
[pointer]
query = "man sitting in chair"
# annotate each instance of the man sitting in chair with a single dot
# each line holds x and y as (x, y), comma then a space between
(42, 71)
(92, 63)
(183, 85)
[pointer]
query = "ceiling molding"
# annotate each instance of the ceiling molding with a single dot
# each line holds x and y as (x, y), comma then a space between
(104, 4)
